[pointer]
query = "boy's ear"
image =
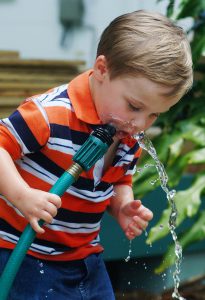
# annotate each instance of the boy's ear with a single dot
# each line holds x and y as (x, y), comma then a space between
(100, 68)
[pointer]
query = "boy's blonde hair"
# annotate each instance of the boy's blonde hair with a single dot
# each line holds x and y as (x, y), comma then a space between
(148, 44)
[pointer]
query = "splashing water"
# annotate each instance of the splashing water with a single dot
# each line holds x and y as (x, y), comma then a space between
(147, 145)
(129, 253)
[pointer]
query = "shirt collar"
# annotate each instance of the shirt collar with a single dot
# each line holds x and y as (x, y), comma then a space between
(80, 95)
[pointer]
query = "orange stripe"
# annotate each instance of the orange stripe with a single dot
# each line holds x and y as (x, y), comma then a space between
(8, 213)
(78, 253)
(68, 201)
(35, 121)
(8, 142)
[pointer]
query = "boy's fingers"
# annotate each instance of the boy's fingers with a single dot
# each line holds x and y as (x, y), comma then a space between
(131, 233)
(145, 213)
(51, 209)
(56, 200)
(140, 223)
(34, 224)
(46, 216)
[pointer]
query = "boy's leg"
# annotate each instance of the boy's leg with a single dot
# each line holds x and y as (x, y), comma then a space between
(43, 280)
(79, 280)
(97, 284)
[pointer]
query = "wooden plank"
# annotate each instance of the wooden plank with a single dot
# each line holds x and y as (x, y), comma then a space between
(5, 112)
(9, 54)
(53, 78)
(42, 63)
(33, 86)
(10, 101)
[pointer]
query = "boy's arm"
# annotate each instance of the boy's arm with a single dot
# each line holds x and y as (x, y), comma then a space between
(132, 216)
(32, 203)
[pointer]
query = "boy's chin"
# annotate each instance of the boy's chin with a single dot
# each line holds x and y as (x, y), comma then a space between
(121, 134)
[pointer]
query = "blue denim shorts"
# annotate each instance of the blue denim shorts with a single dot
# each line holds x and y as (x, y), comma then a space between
(85, 279)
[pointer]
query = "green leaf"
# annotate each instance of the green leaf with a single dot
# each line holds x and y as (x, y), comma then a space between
(198, 43)
(170, 8)
(192, 132)
(190, 8)
(187, 203)
(196, 156)
(175, 150)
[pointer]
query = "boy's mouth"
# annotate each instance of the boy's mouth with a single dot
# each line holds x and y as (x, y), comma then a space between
(121, 134)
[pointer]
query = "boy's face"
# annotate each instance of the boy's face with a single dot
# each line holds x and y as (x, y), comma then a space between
(131, 104)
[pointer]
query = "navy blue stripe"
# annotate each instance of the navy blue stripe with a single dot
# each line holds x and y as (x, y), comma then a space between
(81, 184)
(60, 100)
(133, 163)
(131, 151)
(4, 226)
(46, 163)
(78, 217)
(62, 94)
(36, 169)
(104, 195)
(64, 132)
(88, 184)
(134, 149)
(24, 132)
(116, 159)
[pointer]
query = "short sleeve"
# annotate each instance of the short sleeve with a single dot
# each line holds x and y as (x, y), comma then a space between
(26, 130)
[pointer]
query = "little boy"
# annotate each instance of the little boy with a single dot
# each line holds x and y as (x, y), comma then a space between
(143, 67)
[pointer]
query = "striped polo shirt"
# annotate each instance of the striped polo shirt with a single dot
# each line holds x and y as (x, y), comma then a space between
(42, 136)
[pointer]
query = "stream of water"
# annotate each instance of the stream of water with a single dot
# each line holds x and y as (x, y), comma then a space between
(147, 145)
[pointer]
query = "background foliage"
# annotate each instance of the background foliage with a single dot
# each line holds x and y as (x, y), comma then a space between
(181, 143)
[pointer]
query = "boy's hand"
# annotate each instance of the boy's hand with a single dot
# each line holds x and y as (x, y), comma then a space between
(133, 217)
(38, 205)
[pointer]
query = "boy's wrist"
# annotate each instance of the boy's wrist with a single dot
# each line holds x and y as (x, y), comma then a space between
(17, 195)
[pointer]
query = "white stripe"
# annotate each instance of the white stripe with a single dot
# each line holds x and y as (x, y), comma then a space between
(55, 102)
(38, 248)
(62, 145)
(33, 168)
(11, 205)
(96, 240)
(49, 96)
(95, 196)
(98, 170)
(120, 153)
(42, 110)
(131, 172)
(71, 230)
(124, 148)
(125, 160)
(58, 225)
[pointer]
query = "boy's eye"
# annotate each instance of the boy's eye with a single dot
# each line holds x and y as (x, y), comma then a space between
(133, 108)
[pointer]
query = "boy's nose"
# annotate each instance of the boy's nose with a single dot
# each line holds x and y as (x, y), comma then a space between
(139, 124)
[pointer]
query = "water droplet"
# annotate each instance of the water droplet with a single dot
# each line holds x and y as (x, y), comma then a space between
(129, 253)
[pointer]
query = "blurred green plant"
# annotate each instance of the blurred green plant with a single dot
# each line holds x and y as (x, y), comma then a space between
(181, 143)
